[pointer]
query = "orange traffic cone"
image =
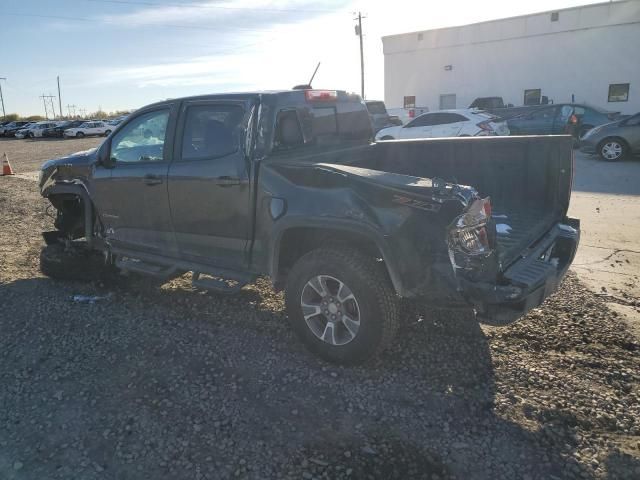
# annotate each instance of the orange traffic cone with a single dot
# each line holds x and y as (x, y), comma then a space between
(6, 166)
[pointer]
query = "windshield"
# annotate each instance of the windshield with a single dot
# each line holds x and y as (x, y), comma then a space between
(376, 108)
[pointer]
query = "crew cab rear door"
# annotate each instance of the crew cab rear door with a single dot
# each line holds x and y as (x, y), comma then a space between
(209, 183)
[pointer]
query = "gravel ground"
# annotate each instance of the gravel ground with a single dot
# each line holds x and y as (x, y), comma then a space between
(27, 155)
(164, 381)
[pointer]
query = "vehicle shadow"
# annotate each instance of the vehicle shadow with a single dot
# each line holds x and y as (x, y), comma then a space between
(594, 175)
(150, 375)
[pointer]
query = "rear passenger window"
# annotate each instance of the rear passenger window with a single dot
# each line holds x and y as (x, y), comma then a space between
(451, 118)
(211, 131)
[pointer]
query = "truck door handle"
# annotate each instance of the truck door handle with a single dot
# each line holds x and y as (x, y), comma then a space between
(152, 180)
(227, 181)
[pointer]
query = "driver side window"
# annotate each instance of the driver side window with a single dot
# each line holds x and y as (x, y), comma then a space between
(142, 139)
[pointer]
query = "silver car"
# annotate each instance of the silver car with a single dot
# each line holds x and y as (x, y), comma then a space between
(613, 141)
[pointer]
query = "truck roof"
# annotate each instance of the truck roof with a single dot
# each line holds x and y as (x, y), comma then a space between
(298, 94)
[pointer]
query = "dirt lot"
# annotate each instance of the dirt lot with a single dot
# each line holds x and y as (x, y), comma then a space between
(164, 381)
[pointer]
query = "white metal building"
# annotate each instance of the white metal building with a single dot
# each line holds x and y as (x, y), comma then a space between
(586, 54)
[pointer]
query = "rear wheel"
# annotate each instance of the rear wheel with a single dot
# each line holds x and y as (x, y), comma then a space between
(612, 149)
(79, 134)
(76, 262)
(341, 305)
(107, 133)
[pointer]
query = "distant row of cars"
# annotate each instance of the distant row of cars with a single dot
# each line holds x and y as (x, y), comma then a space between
(608, 134)
(60, 129)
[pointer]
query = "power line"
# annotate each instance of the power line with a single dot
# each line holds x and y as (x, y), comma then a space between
(209, 6)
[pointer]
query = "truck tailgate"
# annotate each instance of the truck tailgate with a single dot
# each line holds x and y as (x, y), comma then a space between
(527, 178)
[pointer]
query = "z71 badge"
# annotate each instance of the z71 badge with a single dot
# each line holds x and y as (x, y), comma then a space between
(412, 202)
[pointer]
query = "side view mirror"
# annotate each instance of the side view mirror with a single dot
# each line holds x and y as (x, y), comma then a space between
(104, 156)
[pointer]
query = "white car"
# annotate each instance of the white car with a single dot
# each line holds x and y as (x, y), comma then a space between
(447, 123)
(34, 130)
(90, 128)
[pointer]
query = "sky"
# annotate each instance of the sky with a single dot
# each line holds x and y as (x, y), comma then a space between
(124, 54)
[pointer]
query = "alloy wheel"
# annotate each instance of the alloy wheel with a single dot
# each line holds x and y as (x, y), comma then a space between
(611, 150)
(330, 310)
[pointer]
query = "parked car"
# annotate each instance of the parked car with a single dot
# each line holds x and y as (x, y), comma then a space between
(447, 123)
(58, 130)
(561, 118)
(90, 128)
(34, 130)
(613, 141)
(379, 116)
(346, 232)
(10, 129)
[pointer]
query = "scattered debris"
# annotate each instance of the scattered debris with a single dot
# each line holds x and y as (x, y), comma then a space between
(90, 298)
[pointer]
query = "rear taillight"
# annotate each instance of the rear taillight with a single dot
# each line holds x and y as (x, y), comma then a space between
(412, 113)
(468, 236)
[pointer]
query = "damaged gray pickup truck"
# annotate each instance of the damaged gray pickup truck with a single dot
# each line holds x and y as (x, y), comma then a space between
(288, 184)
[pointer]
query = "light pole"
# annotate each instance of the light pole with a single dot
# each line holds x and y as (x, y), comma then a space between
(4, 114)
(359, 34)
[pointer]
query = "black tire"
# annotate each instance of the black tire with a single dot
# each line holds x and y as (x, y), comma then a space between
(387, 137)
(30, 135)
(376, 299)
(606, 146)
(79, 134)
(75, 263)
(107, 133)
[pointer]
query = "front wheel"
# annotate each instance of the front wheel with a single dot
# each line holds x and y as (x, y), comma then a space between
(107, 133)
(612, 149)
(341, 304)
(79, 135)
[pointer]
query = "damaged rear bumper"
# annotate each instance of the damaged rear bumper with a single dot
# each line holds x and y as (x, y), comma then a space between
(529, 281)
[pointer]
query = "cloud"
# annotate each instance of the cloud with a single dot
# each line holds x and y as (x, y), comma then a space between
(225, 15)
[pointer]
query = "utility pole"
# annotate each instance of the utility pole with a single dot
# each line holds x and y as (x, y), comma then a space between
(44, 102)
(48, 98)
(359, 34)
(4, 114)
(71, 108)
(59, 97)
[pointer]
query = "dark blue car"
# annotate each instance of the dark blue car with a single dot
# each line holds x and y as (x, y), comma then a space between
(559, 119)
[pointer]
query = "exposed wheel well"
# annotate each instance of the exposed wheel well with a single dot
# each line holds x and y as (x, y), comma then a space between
(296, 242)
(74, 217)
